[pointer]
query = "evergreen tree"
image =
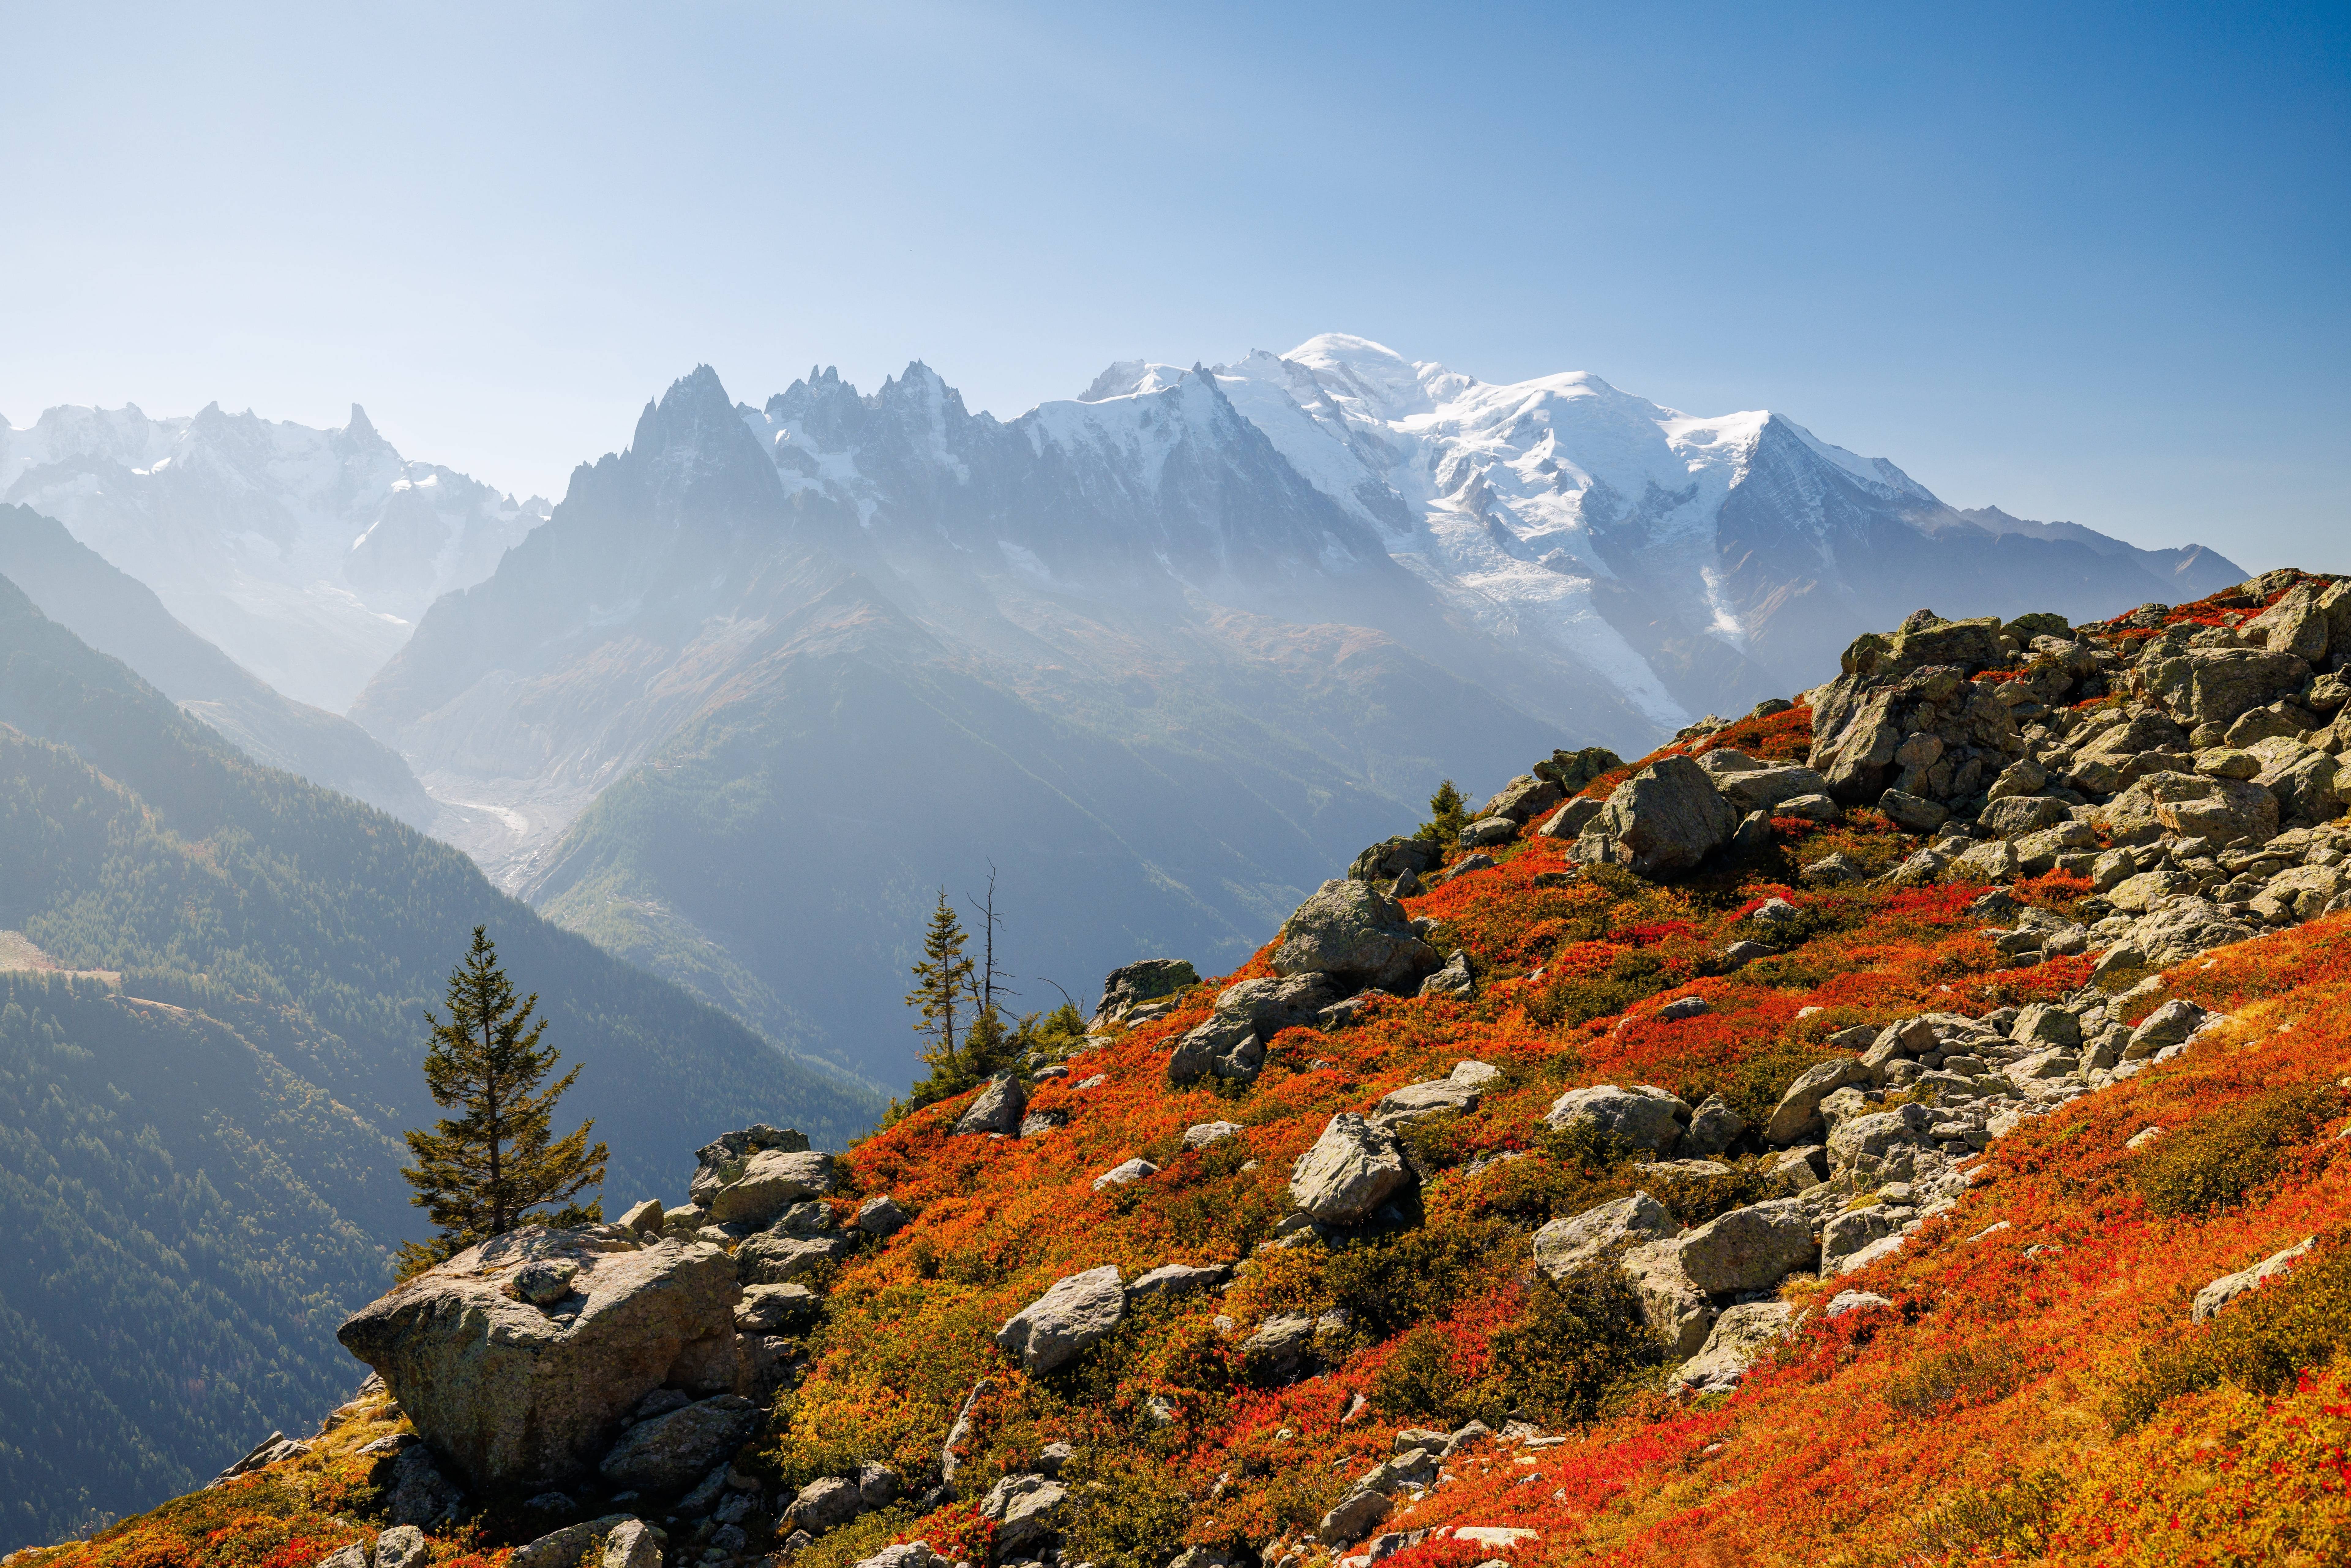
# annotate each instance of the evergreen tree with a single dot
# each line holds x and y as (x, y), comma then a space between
(1449, 814)
(941, 982)
(485, 1172)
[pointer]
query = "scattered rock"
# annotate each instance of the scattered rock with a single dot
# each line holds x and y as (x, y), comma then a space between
(998, 1109)
(1177, 1280)
(1121, 1175)
(1566, 1244)
(1353, 1168)
(1739, 1337)
(1207, 1135)
(1666, 818)
(669, 1453)
(882, 1217)
(2228, 1287)
(1750, 1248)
(1060, 1325)
(1146, 980)
(1355, 935)
(1642, 1117)
(771, 1181)
(1351, 1518)
(1797, 1115)
(1453, 980)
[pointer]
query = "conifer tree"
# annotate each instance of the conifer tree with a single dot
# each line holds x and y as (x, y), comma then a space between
(941, 982)
(488, 1171)
(1449, 814)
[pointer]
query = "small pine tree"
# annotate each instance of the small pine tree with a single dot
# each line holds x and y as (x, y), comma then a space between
(941, 982)
(1448, 813)
(490, 1170)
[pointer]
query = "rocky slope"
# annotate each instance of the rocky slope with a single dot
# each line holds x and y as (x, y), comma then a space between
(1786, 1148)
(306, 555)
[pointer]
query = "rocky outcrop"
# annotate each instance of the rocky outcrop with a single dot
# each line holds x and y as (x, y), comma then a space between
(517, 1393)
(1739, 1337)
(1567, 1244)
(722, 1159)
(771, 1181)
(997, 1109)
(1666, 818)
(1642, 1117)
(1357, 937)
(1129, 989)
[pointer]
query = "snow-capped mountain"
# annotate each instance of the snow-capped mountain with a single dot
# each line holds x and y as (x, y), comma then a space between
(306, 555)
(1280, 593)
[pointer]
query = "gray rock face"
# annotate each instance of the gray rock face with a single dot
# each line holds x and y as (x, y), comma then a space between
(2178, 929)
(996, 1110)
(569, 1546)
(1177, 1280)
(1665, 819)
(1797, 1115)
(1882, 1144)
(2215, 685)
(882, 1217)
(2039, 1024)
(419, 1494)
(401, 1546)
(721, 1160)
(1147, 981)
(824, 1502)
(1357, 935)
(2228, 1287)
(1455, 979)
(1025, 1509)
(1643, 1116)
(1351, 1518)
(1224, 1045)
(1207, 1135)
(1414, 1101)
(1488, 832)
(1353, 1168)
(2170, 1024)
(772, 1259)
(1750, 1248)
(1391, 858)
(1523, 799)
(517, 1396)
(1570, 821)
(1569, 1243)
(778, 1308)
(1740, 1335)
(1671, 1304)
(1766, 787)
(669, 1453)
(772, 1180)
(2015, 816)
(1281, 1349)
(1066, 1321)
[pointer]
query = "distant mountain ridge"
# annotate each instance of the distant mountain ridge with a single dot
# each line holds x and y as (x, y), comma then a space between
(305, 555)
(1181, 644)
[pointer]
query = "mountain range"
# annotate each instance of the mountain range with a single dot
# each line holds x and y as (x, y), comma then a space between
(1175, 646)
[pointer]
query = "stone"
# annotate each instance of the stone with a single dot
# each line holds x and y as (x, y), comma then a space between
(516, 1398)
(1523, 799)
(721, 1160)
(1809, 808)
(1740, 1335)
(2168, 1025)
(1852, 1231)
(1126, 1173)
(997, 1108)
(1671, 1304)
(1476, 1074)
(2042, 1024)
(1911, 813)
(773, 1259)
(2216, 686)
(419, 1495)
(882, 1217)
(1488, 832)
(1225, 1045)
(2296, 624)
(1351, 1518)
(778, 1308)
(1986, 862)
(1280, 1351)
(1797, 1114)
(1414, 1101)
(668, 1454)
(1642, 1117)
(1713, 1127)
(1041, 1123)
(1570, 821)
(905, 1554)
(1391, 858)
(1024, 1508)
(630, 1544)
(568, 1547)
(2226, 810)
(2179, 928)
(2227, 762)
(1857, 752)
(1065, 1321)
(545, 1282)
(2023, 776)
(772, 1180)
(1665, 819)
(1355, 935)
(825, 1502)
(2306, 783)
(1749, 1249)
(1146, 980)
(1454, 979)
(1207, 1135)
(1567, 1244)
(1846, 1301)
(1836, 869)
(2301, 893)
(404, 1546)
(1353, 1169)
(1765, 789)
(1881, 1143)
(645, 1218)
(1171, 1279)
(2016, 815)
(2228, 1287)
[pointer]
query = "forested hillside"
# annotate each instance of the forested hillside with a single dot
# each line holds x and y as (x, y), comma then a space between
(199, 1158)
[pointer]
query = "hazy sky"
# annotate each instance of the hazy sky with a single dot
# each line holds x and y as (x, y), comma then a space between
(2084, 262)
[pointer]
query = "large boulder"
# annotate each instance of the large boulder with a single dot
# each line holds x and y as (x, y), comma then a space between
(1128, 986)
(2225, 810)
(1642, 1117)
(2216, 686)
(1854, 743)
(2176, 930)
(1671, 1302)
(1740, 1335)
(522, 1395)
(1750, 1248)
(1797, 1115)
(2296, 624)
(1025, 1509)
(1060, 1325)
(773, 1257)
(1273, 1003)
(1765, 788)
(998, 1109)
(1355, 935)
(1414, 1101)
(1225, 1045)
(1882, 1145)
(722, 1159)
(2307, 783)
(1567, 1244)
(667, 1455)
(772, 1180)
(1353, 1168)
(1523, 799)
(1391, 858)
(1666, 818)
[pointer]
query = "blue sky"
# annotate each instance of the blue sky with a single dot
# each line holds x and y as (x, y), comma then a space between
(2084, 262)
